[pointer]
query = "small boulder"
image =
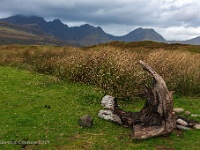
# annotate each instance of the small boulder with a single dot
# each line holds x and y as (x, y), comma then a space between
(195, 115)
(187, 112)
(196, 126)
(182, 122)
(86, 121)
(178, 110)
(182, 127)
(108, 102)
(191, 124)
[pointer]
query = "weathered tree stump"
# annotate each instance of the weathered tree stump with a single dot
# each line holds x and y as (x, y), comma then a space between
(154, 119)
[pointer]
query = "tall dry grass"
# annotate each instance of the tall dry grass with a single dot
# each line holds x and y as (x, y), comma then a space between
(113, 69)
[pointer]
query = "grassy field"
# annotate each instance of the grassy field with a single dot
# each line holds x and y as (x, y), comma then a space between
(61, 84)
(24, 117)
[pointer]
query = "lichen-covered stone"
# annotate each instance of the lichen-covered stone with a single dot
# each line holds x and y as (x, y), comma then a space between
(108, 102)
(108, 115)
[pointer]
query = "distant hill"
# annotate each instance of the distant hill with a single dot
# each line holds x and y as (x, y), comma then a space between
(26, 34)
(141, 34)
(194, 41)
(22, 20)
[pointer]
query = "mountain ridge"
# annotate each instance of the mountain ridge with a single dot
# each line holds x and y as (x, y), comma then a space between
(26, 34)
(85, 35)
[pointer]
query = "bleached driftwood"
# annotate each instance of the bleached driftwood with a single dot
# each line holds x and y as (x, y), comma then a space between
(154, 119)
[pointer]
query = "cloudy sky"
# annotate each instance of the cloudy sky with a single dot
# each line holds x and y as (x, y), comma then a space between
(173, 19)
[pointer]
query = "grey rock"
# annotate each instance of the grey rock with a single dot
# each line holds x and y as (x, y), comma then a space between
(108, 102)
(196, 126)
(86, 121)
(181, 122)
(108, 115)
(178, 110)
(187, 112)
(173, 113)
(191, 124)
(195, 115)
(182, 127)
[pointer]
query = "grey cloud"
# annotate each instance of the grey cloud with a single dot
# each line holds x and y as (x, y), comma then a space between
(124, 13)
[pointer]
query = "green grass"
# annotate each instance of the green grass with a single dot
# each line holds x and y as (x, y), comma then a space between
(23, 96)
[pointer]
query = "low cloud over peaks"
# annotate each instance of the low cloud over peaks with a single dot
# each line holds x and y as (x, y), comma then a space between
(116, 16)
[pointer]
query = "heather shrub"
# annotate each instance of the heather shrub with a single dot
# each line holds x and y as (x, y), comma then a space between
(115, 70)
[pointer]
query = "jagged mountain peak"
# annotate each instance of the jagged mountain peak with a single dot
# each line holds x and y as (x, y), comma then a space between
(57, 21)
(86, 25)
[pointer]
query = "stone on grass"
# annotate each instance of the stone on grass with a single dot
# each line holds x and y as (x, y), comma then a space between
(195, 115)
(181, 122)
(108, 102)
(191, 124)
(178, 110)
(187, 112)
(196, 126)
(86, 121)
(182, 127)
(173, 113)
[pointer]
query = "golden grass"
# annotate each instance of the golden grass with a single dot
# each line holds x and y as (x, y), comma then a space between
(113, 69)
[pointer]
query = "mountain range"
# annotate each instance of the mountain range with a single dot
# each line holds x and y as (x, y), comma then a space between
(20, 29)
